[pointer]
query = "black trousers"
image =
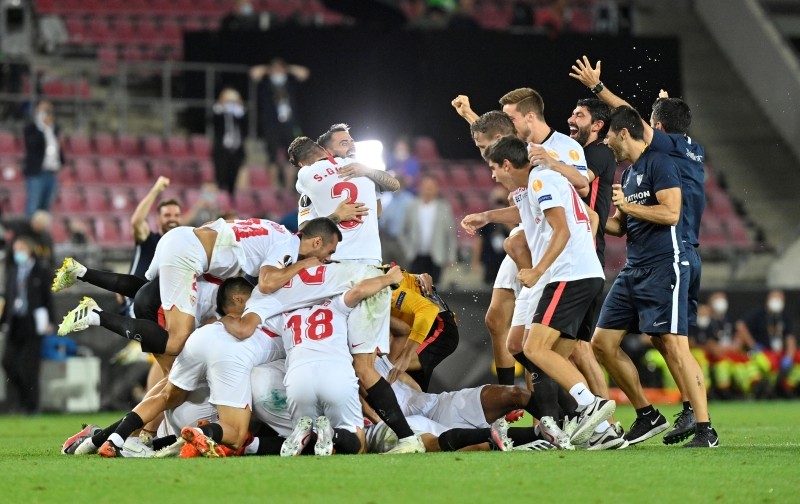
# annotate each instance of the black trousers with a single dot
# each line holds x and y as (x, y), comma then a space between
(227, 164)
(22, 361)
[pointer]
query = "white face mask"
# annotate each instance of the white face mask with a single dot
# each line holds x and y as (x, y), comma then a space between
(775, 305)
(720, 306)
(703, 321)
(21, 257)
(278, 79)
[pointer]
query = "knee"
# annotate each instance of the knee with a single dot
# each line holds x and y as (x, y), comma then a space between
(493, 320)
(517, 396)
(514, 345)
(601, 348)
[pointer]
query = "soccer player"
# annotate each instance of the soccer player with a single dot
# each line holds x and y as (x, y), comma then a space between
(323, 188)
(212, 355)
(433, 335)
(650, 295)
(366, 331)
(667, 132)
(588, 125)
(559, 234)
(320, 380)
(221, 249)
(486, 129)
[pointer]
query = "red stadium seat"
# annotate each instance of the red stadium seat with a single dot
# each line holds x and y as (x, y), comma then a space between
(178, 146)
(96, 200)
(85, 171)
(425, 149)
(77, 145)
(121, 200)
(258, 176)
(129, 145)
(104, 144)
(201, 146)
(8, 143)
(98, 31)
(136, 172)
(68, 200)
(153, 146)
(108, 233)
(109, 171)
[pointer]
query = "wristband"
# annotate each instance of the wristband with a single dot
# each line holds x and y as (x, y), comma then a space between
(599, 87)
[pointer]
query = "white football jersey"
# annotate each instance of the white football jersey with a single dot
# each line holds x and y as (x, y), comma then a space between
(264, 243)
(548, 189)
(207, 288)
(566, 150)
(320, 182)
(308, 287)
(316, 333)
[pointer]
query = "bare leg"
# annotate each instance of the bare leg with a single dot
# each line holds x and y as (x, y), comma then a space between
(605, 343)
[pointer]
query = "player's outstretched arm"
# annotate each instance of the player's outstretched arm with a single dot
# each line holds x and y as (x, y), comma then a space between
(370, 286)
(383, 180)
(462, 106)
(139, 224)
(590, 77)
(472, 222)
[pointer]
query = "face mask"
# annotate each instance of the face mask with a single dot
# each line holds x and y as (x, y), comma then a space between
(21, 257)
(720, 306)
(775, 305)
(278, 79)
(246, 10)
(703, 321)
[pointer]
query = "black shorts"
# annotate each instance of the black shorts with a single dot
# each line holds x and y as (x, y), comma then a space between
(442, 340)
(586, 330)
(565, 306)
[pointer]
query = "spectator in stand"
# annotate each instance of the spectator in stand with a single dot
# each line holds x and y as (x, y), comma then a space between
(43, 159)
(277, 106)
(768, 331)
(242, 17)
(37, 229)
(731, 368)
(207, 207)
(487, 249)
(26, 318)
(429, 236)
(392, 221)
(404, 163)
(230, 131)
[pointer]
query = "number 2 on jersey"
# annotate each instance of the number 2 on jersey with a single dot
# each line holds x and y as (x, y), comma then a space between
(337, 191)
(318, 326)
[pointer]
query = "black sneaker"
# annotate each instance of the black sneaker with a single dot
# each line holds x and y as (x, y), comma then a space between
(643, 428)
(706, 438)
(682, 428)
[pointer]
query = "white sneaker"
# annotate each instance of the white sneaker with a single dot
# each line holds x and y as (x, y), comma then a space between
(78, 318)
(606, 440)
(86, 448)
(324, 444)
(298, 439)
(537, 445)
(592, 416)
(135, 448)
(172, 450)
(411, 444)
(499, 435)
(550, 430)
(67, 274)
(570, 426)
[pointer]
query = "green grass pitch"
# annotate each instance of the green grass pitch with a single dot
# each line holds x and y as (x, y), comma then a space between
(758, 462)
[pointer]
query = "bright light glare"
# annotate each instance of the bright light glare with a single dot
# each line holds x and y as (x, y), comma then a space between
(370, 152)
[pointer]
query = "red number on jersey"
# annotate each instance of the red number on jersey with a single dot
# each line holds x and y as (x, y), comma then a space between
(309, 278)
(580, 213)
(318, 326)
(248, 228)
(337, 191)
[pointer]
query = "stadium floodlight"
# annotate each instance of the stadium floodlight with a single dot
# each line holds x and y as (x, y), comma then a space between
(370, 152)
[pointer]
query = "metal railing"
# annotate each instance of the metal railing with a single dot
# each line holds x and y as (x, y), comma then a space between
(119, 93)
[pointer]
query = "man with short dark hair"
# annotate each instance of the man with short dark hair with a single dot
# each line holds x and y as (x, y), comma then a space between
(650, 295)
(559, 233)
(667, 132)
